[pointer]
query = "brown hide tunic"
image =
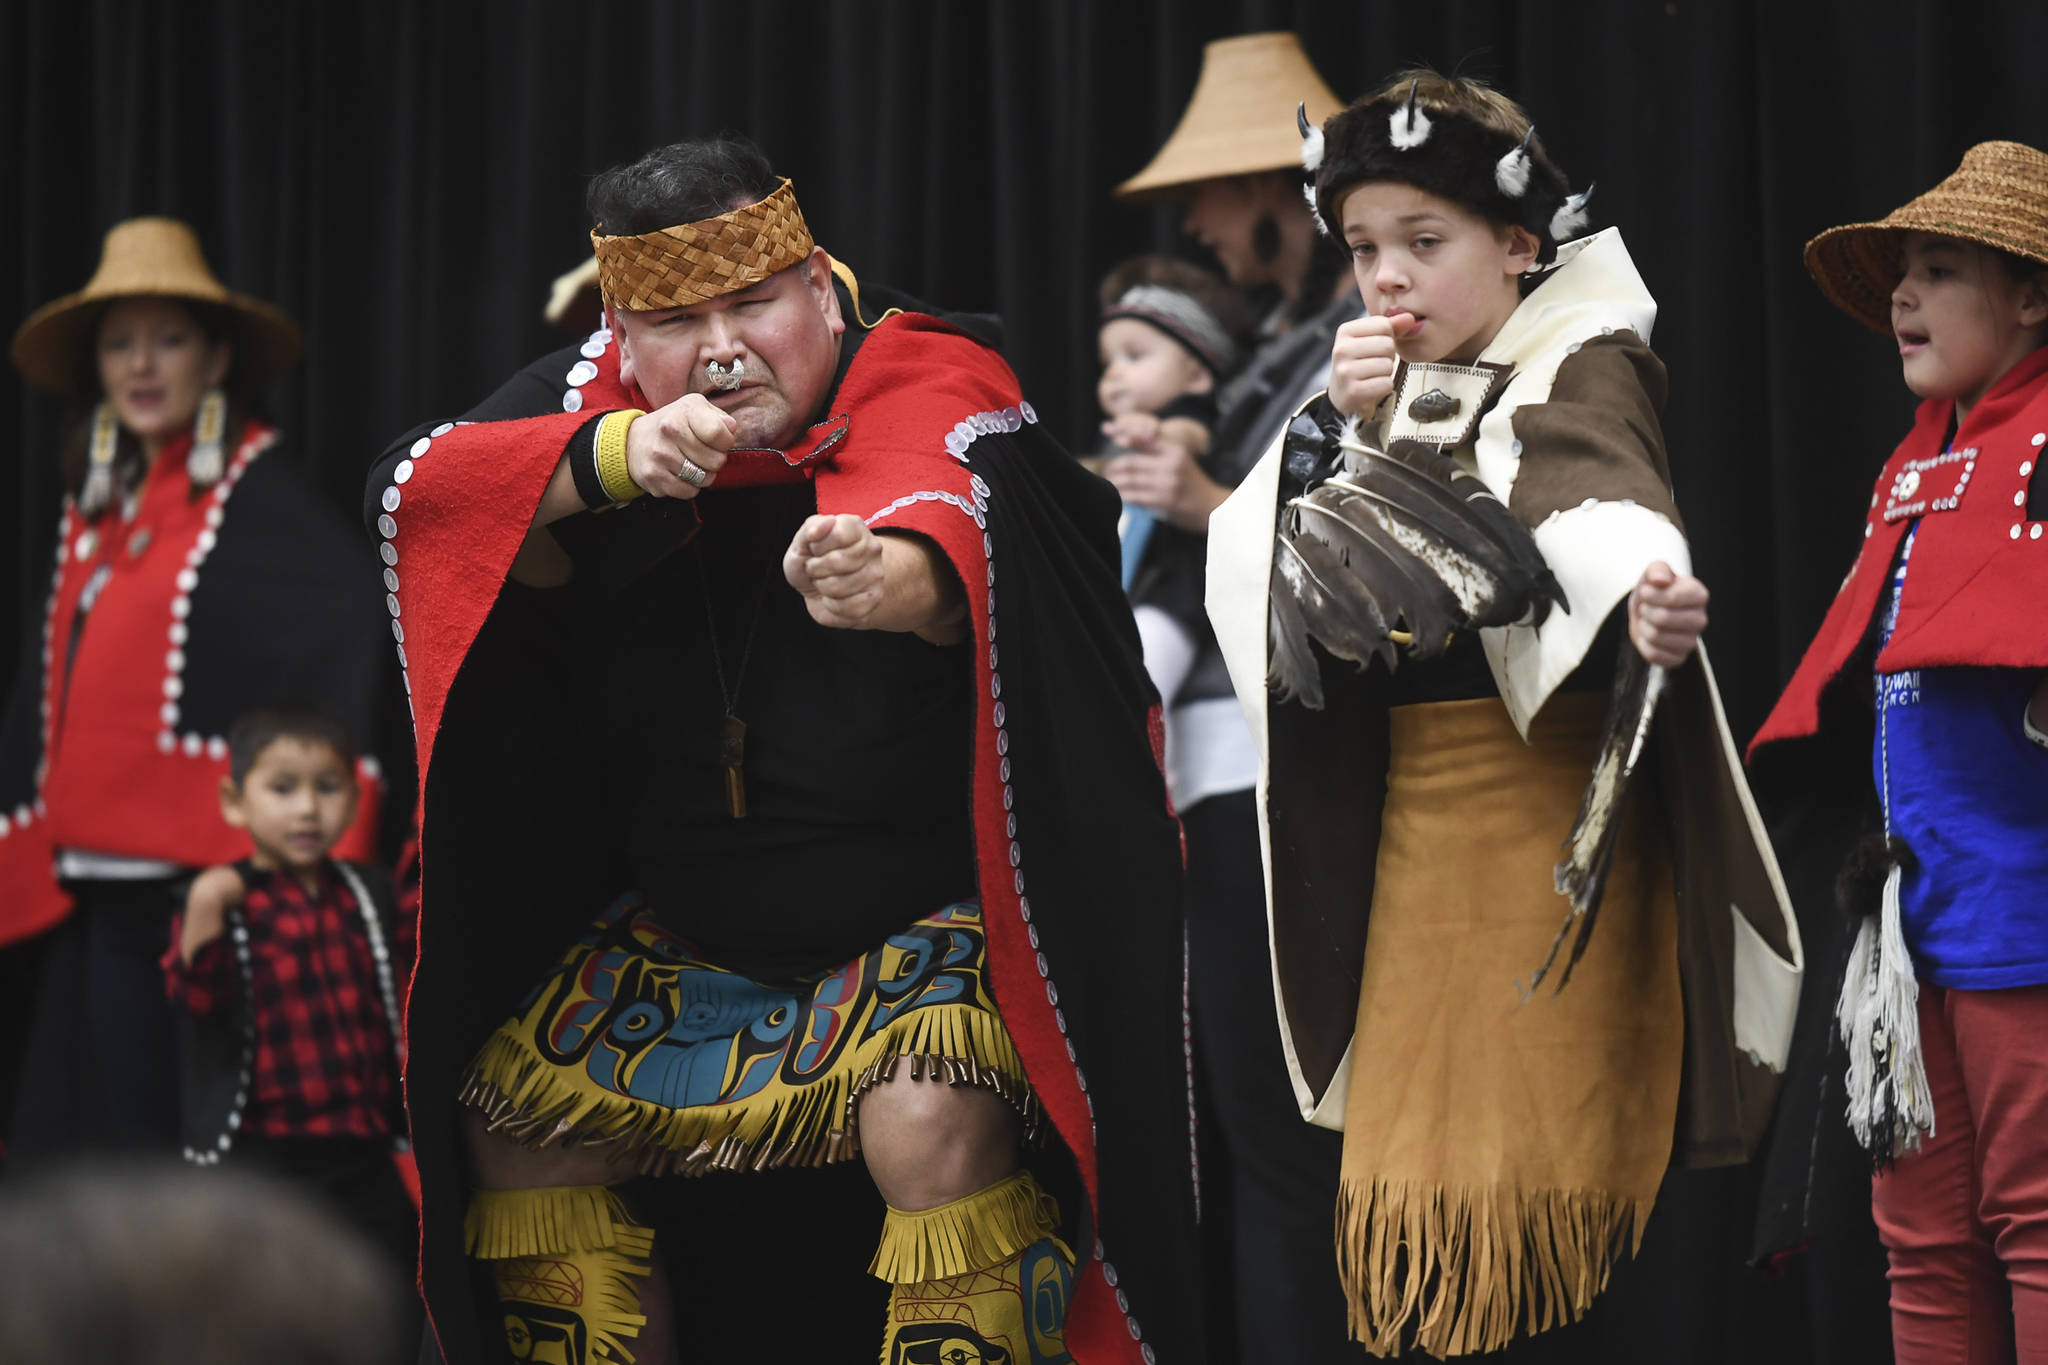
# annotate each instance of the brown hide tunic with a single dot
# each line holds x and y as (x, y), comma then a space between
(1509, 1149)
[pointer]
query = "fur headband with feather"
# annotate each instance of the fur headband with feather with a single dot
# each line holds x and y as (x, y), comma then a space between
(1394, 137)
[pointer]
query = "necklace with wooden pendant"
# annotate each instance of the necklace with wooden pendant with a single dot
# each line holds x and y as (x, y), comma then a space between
(732, 731)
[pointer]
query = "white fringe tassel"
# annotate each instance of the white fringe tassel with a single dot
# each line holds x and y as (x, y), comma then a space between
(1891, 1109)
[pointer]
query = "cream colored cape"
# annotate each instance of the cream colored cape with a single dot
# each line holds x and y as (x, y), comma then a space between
(1742, 955)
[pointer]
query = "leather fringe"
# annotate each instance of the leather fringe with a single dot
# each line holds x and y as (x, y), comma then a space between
(529, 1235)
(506, 1223)
(973, 1233)
(1460, 1271)
(538, 1104)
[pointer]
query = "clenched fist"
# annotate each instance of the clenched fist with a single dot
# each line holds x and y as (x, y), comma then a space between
(676, 451)
(852, 579)
(1666, 615)
(835, 563)
(1362, 362)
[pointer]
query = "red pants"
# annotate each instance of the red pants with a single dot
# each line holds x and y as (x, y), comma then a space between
(1966, 1218)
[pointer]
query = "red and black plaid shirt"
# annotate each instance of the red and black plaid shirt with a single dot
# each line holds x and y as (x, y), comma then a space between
(325, 1063)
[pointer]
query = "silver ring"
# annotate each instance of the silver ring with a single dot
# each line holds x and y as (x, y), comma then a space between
(694, 474)
(722, 379)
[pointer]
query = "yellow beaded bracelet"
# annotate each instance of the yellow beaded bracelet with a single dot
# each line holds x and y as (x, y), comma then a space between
(611, 455)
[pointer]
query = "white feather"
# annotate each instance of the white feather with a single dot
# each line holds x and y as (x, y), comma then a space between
(1511, 172)
(1570, 216)
(1315, 210)
(1312, 149)
(1408, 127)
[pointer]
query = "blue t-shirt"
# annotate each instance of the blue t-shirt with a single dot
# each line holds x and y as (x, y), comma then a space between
(1968, 792)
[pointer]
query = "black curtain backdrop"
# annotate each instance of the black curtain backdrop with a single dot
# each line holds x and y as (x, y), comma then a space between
(405, 180)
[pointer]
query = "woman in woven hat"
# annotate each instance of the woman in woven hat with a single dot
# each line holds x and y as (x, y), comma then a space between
(195, 578)
(1944, 1009)
(1233, 163)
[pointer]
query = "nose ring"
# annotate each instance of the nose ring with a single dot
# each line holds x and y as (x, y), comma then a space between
(725, 380)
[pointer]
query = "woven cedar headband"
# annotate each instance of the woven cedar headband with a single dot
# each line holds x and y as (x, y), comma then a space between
(671, 267)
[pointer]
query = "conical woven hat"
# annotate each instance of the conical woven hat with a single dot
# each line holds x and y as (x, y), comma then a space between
(1998, 197)
(156, 257)
(1241, 118)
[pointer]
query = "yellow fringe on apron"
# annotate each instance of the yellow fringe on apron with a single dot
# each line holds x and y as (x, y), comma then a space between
(971, 1233)
(1500, 1156)
(567, 1263)
(631, 1039)
(536, 1102)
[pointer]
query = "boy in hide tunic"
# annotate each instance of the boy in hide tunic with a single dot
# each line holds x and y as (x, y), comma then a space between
(799, 595)
(1503, 1145)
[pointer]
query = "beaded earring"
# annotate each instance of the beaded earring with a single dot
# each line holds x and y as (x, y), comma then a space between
(99, 465)
(207, 461)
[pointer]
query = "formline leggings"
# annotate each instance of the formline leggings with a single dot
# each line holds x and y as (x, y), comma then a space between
(1965, 1219)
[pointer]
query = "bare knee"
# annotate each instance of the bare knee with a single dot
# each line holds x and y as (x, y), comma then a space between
(928, 1143)
(496, 1162)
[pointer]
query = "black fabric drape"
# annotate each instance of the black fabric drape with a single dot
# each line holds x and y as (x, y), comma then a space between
(405, 179)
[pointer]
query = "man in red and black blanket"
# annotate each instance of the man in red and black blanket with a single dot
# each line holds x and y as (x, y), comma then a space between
(789, 796)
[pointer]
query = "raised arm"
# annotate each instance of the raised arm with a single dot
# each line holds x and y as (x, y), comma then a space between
(206, 907)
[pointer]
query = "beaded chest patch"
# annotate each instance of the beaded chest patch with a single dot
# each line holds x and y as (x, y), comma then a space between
(1935, 484)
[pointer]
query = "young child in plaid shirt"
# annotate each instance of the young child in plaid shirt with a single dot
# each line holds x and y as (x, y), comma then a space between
(287, 966)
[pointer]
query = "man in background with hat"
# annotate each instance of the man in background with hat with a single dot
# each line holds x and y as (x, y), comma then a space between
(1234, 161)
(748, 627)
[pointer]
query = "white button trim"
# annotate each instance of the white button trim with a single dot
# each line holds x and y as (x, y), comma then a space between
(167, 740)
(957, 443)
(387, 526)
(979, 424)
(65, 514)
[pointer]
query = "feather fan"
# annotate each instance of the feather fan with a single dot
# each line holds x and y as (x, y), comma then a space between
(1417, 476)
(1380, 566)
(1400, 540)
(1405, 538)
(1352, 620)
(1291, 666)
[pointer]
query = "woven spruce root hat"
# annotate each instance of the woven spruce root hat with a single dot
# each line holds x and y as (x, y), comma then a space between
(149, 257)
(1240, 120)
(1997, 198)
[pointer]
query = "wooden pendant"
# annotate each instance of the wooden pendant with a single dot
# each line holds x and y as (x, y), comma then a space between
(732, 752)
